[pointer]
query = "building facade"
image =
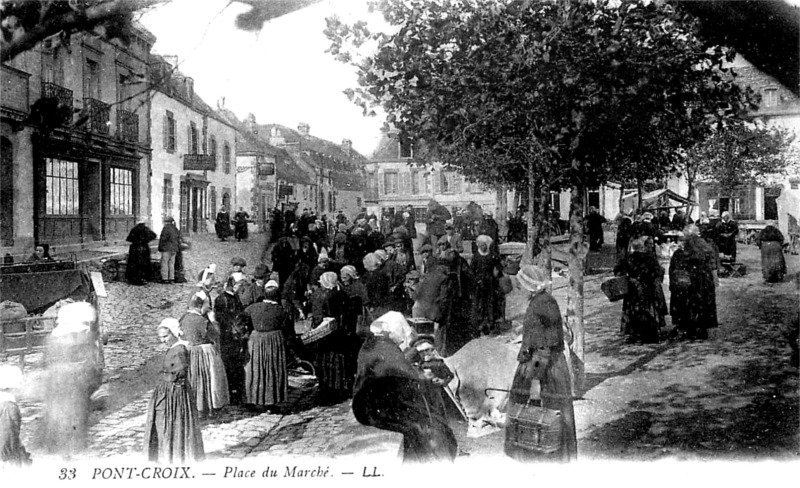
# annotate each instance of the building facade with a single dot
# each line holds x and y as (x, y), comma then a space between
(193, 153)
(75, 142)
(396, 180)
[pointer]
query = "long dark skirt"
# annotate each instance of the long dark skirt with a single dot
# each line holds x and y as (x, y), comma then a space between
(266, 379)
(335, 360)
(556, 394)
(172, 432)
(773, 264)
(643, 313)
(234, 359)
(207, 377)
(138, 268)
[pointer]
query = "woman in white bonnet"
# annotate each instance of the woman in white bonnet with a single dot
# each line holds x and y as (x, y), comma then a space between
(172, 430)
(391, 394)
(542, 363)
(74, 371)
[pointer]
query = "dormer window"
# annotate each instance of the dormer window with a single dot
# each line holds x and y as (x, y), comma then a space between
(406, 149)
(770, 97)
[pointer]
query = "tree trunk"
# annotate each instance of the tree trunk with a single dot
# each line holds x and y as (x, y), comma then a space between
(639, 199)
(621, 198)
(501, 206)
(545, 258)
(578, 249)
(533, 228)
(515, 202)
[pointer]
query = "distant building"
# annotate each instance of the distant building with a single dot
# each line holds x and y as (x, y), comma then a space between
(75, 142)
(193, 153)
(336, 171)
(395, 179)
(780, 199)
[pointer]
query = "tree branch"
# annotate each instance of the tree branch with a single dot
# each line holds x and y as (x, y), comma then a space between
(92, 16)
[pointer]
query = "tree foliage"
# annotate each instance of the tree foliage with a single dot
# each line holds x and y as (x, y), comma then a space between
(587, 92)
(740, 153)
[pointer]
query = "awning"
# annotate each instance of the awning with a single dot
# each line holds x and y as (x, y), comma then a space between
(659, 199)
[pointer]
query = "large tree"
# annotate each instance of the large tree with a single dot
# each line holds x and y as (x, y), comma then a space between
(560, 95)
(739, 153)
(24, 23)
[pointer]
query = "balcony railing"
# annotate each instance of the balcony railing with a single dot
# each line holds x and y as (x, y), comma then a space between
(127, 125)
(99, 115)
(199, 162)
(63, 96)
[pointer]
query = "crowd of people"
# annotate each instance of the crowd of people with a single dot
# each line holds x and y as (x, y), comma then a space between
(238, 338)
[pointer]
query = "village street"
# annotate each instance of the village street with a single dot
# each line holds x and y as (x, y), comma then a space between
(732, 397)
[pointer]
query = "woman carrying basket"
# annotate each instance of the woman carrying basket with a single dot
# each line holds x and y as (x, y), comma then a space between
(541, 359)
(334, 353)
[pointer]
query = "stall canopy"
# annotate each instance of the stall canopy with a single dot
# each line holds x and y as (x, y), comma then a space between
(656, 200)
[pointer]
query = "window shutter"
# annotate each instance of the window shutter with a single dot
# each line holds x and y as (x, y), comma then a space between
(382, 184)
(189, 139)
(457, 182)
(437, 182)
(165, 132)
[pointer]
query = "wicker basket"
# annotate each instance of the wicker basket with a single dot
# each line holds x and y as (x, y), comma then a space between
(324, 329)
(615, 288)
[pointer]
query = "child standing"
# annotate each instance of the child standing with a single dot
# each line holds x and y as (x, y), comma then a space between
(11, 449)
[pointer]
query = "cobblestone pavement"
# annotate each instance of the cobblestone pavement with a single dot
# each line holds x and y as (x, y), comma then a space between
(621, 378)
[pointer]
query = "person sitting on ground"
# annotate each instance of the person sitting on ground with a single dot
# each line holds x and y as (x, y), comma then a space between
(391, 394)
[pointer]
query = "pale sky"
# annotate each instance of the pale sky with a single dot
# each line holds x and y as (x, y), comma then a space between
(282, 74)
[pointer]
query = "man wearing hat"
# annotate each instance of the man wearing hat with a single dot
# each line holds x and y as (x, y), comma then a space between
(254, 292)
(227, 307)
(168, 245)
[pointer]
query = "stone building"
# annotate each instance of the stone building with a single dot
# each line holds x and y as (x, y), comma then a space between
(75, 142)
(395, 179)
(193, 153)
(335, 171)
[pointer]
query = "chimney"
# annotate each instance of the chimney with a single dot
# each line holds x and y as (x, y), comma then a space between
(276, 138)
(347, 146)
(188, 83)
(303, 128)
(252, 126)
(172, 60)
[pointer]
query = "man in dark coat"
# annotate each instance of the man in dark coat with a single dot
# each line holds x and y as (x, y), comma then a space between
(240, 225)
(276, 226)
(438, 215)
(594, 226)
(169, 244)
(138, 269)
(233, 344)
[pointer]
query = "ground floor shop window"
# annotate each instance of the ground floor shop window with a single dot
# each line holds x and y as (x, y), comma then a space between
(63, 195)
(121, 191)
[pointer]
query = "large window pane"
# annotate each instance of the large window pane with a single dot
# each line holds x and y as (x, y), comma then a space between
(63, 196)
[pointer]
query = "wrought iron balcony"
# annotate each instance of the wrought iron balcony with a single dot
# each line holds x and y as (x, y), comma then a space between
(63, 95)
(99, 115)
(199, 162)
(127, 125)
